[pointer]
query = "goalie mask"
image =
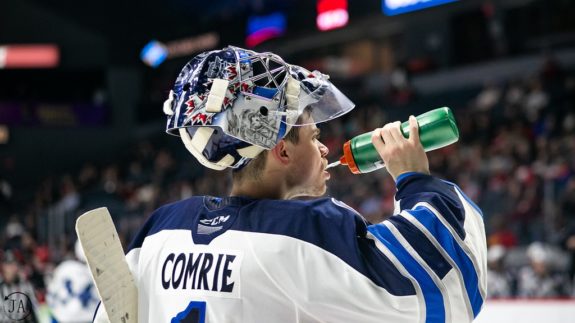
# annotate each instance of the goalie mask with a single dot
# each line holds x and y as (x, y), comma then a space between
(229, 105)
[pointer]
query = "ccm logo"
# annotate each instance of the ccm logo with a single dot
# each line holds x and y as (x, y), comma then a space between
(215, 221)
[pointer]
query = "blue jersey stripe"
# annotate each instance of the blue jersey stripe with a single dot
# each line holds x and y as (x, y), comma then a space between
(434, 304)
(430, 221)
(422, 245)
(440, 194)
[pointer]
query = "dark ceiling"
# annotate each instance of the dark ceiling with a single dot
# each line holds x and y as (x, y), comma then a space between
(128, 25)
(141, 21)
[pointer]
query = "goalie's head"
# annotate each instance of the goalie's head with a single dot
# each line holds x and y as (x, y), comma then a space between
(228, 105)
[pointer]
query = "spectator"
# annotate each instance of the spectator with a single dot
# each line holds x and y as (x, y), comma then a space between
(11, 281)
(72, 296)
(568, 243)
(535, 101)
(499, 280)
(537, 279)
(488, 98)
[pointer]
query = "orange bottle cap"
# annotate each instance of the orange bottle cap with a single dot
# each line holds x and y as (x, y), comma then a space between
(347, 158)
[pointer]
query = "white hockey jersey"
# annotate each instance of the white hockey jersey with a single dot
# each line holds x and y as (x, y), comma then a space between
(72, 296)
(234, 259)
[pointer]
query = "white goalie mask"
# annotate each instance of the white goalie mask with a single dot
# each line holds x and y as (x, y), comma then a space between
(229, 105)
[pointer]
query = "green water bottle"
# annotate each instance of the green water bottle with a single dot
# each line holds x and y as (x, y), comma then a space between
(437, 129)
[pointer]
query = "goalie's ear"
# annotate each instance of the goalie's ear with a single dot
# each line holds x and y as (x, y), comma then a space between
(281, 152)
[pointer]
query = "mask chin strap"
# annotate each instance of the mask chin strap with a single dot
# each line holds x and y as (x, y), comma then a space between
(197, 144)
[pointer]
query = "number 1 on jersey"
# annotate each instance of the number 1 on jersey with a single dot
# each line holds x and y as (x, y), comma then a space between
(194, 313)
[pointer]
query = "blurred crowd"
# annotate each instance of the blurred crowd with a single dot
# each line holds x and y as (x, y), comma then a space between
(515, 158)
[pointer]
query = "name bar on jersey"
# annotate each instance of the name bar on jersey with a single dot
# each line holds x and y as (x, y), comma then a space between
(203, 271)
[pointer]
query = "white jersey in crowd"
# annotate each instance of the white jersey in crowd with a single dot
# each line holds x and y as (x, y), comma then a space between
(72, 296)
(234, 259)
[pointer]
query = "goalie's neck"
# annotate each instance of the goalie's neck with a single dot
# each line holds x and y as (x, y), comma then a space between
(259, 189)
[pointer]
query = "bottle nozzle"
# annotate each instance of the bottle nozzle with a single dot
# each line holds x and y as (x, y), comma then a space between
(341, 161)
(337, 163)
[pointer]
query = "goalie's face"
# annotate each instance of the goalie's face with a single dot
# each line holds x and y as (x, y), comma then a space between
(307, 174)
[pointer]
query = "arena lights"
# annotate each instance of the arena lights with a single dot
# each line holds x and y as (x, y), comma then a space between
(331, 14)
(29, 56)
(262, 28)
(155, 52)
(4, 134)
(396, 7)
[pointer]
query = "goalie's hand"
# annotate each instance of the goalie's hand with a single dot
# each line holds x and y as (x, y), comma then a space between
(400, 155)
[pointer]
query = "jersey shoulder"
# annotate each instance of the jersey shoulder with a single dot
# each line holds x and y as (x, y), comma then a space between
(325, 211)
(315, 221)
(171, 216)
(208, 217)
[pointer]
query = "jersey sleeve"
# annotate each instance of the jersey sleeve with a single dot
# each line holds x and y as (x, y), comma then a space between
(438, 236)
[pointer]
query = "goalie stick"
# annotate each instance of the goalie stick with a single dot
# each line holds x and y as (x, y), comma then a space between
(105, 256)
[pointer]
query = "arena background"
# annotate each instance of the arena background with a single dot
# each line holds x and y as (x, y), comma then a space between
(81, 123)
